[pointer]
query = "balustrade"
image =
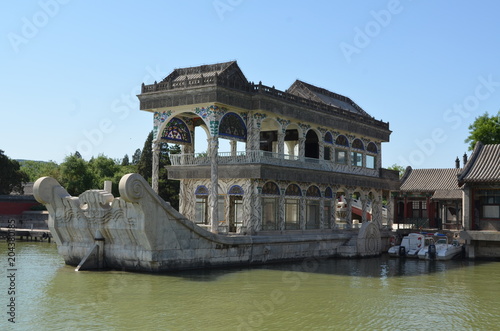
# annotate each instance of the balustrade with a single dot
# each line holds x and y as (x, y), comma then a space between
(265, 157)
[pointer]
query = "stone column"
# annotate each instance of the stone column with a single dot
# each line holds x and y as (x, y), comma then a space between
(390, 210)
(302, 148)
(378, 160)
(227, 214)
(214, 183)
(302, 213)
(468, 223)
(322, 223)
(281, 143)
(253, 134)
(377, 211)
(233, 145)
(321, 146)
(156, 165)
(281, 212)
(333, 212)
(257, 209)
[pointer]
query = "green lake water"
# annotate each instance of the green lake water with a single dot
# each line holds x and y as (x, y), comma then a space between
(363, 294)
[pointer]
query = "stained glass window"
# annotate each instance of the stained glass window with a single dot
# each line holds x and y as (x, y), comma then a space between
(232, 125)
(342, 141)
(176, 130)
(235, 190)
(372, 148)
(328, 138)
(358, 144)
(270, 188)
(201, 190)
(294, 190)
(313, 191)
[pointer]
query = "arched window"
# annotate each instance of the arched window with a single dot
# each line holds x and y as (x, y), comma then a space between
(270, 188)
(313, 191)
(311, 145)
(342, 141)
(176, 131)
(312, 207)
(358, 144)
(201, 207)
(328, 138)
(293, 190)
(341, 149)
(235, 194)
(201, 190)
(233, 126)
(371, 155)
(292, 211)
(270, 210)
(372, 148)
(235, 190)
(356, 153)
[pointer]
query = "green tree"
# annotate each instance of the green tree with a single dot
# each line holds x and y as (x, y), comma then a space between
(136, 157)
(485, 129)
(145, 164)
(77, 175)
(37, 169)
(11, 175)
(398, 168)
(125, 160)
(104, 168)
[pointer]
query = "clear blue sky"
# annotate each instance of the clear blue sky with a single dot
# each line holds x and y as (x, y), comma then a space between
(70, 69)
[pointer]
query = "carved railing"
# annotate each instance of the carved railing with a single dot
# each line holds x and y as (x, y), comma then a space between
(265, 157)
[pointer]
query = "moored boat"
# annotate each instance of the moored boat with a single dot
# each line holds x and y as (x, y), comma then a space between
(437, 247)
(410, 246)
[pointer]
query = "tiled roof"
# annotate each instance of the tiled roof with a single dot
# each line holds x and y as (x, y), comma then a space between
(484, 165)
(322, 95)
(209, 70)
(447, 194)
(429, 180)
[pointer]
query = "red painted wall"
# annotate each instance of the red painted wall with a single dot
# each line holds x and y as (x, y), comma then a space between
(15, 207)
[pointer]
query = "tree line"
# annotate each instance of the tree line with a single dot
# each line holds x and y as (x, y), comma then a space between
(77, 175)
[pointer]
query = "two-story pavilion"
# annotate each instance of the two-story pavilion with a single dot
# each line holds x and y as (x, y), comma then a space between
(303, 149)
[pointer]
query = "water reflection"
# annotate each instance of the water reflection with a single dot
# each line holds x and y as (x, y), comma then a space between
(377, 293)
(382, 266)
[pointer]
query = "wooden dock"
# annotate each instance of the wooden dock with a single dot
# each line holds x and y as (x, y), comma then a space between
(27, 234)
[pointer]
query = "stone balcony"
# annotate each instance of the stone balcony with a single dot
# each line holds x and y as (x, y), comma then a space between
(270, 158)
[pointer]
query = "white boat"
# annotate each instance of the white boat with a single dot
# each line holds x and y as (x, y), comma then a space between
(410, 246)
(437, 247)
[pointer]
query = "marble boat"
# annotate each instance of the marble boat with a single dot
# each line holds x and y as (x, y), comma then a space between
(139, 231)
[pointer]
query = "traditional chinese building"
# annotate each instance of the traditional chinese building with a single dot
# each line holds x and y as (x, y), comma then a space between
(480, 181)
(293, 153)
(429, 198)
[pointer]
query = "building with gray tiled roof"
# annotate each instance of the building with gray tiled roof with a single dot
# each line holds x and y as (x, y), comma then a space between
(480, 181)
(430, 198)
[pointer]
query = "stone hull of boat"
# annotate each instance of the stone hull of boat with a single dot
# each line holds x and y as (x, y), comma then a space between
(139, 231)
